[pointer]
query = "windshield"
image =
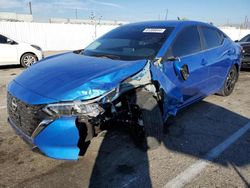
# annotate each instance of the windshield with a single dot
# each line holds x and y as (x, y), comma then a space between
(129, 43)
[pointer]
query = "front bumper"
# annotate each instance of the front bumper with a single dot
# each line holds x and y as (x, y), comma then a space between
(40, 55)
(58, 140)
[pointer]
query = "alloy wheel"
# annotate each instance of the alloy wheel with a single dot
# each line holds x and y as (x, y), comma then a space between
(231, 80)
(28, 60)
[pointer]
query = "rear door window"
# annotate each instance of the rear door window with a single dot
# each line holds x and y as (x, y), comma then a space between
(212, 38)
(186, 43)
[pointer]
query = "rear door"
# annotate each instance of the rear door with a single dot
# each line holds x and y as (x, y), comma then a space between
(187, 52)
(217, 52)
(8, 52)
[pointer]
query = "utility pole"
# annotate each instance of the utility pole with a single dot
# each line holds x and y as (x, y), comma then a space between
(76, 14)
(30, 8)
(166, 15)
(246, 22)
(99, 20)
(93, 19)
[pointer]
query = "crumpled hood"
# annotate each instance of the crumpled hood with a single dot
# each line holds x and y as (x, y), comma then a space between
(73, 76)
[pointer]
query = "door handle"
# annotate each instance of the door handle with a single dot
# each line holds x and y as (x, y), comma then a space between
(204, 62)
(229, 52)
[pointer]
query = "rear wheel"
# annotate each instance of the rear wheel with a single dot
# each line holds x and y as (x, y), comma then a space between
(230, 81)
(151, 119)
(28, 59)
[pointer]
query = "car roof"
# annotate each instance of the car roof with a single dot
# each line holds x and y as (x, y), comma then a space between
(169, 23)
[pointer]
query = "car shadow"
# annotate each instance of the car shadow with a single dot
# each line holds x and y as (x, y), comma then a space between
(3, 67)
(112, 160)
(245, 69)
(194, 132)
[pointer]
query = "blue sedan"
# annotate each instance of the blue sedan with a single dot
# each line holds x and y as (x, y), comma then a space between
(136, 75)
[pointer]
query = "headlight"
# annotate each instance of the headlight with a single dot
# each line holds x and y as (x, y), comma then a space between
(73, 109)
(36, 47)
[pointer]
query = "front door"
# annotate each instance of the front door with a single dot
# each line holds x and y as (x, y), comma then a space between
(185, 64)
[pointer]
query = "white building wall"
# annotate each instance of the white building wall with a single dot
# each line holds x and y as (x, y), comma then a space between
(59, 36)
(53, 36)
(234, 33)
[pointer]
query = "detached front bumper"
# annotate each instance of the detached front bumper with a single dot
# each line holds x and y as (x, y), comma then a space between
(57, 140)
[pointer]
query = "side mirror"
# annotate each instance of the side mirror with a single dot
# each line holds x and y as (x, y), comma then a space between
(184, 72)
(78, 51)
(10, 41)
(173, 58)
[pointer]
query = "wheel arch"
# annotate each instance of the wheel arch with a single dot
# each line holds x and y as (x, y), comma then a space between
(237, 66)
(238, 69)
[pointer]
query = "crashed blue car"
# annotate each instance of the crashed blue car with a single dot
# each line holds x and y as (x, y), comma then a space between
(137, 75)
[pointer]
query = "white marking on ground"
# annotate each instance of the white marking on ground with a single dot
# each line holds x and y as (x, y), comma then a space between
(192, 171)
(130, 181)
(3, 107)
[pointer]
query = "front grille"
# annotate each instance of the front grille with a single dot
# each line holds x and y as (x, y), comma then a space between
(26, 117)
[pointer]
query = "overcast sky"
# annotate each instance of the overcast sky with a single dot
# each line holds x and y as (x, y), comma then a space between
(216, 11)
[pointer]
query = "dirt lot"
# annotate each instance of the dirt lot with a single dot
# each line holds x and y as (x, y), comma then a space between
(113, 161)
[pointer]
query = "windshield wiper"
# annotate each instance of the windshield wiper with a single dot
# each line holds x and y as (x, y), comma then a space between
(78, 51)
(110, 56)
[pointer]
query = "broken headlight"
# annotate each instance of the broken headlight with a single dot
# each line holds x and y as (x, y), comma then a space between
(73, 109)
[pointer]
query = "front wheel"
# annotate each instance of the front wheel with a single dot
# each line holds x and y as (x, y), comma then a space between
(28, 59)
(230, 81)
(152, 119)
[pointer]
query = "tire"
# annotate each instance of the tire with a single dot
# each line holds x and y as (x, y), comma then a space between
(28, 59)
(230, 81)
(152, 119)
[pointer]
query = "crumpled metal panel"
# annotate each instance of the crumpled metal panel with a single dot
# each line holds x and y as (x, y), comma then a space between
(101, 85)
(172, 93)
(72, 76)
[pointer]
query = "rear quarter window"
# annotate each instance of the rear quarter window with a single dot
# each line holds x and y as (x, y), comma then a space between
(212, 38)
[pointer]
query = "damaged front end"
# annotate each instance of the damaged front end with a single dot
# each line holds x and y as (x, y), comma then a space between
(65, 129)
(74, 124)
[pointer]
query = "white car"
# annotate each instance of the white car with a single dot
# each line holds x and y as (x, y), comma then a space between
(16, 52)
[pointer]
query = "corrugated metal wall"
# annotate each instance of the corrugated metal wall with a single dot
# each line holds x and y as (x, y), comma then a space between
(235, 34)
(53, 36)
